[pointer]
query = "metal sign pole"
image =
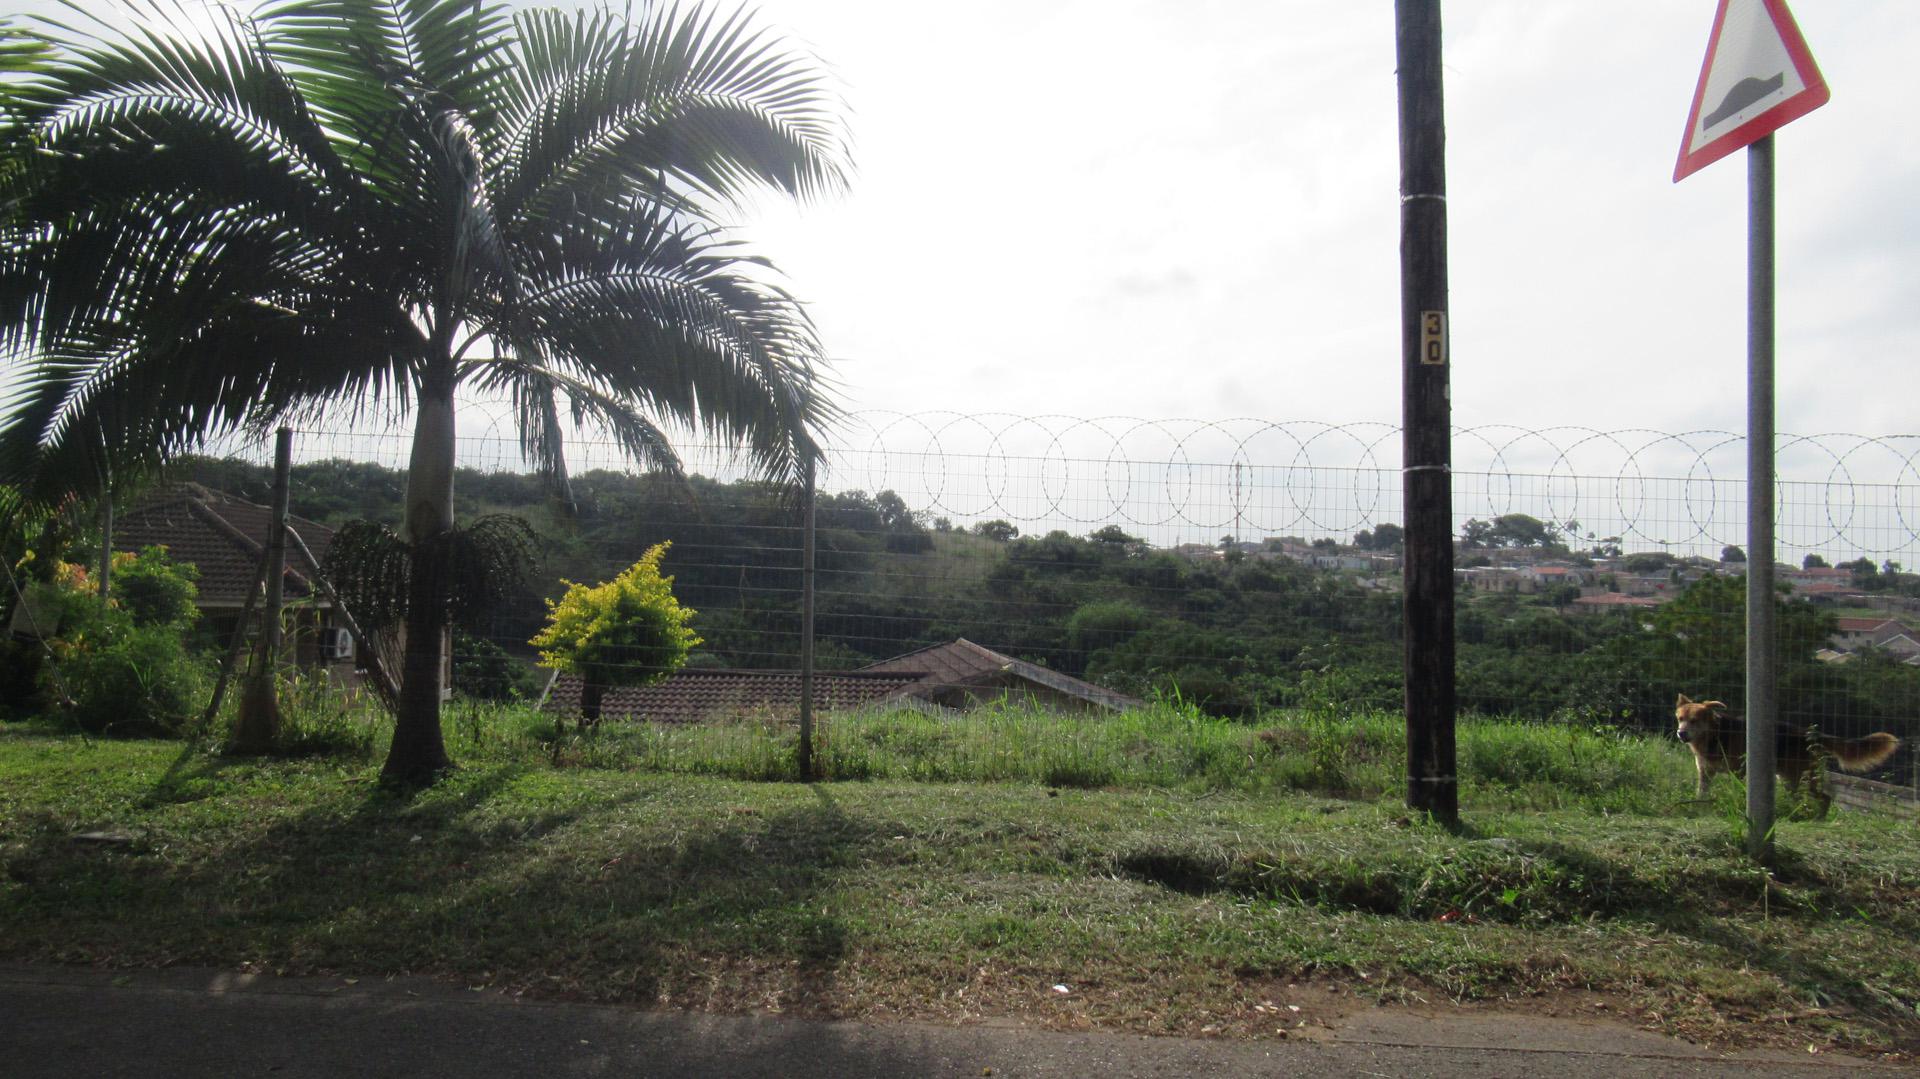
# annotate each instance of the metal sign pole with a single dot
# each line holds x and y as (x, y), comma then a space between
(1762, 701)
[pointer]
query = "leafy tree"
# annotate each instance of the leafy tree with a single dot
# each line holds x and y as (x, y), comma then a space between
(1648, 562)
(629, 631)
(365, 208)
(1509, 530)
(1520, 530)
(905, 535)
(1116, 538)
(154, 590)
(110, 671)
(1385, 537)
(1864, 571)
(1813, 561)
(998, 531)
(1105, 623)
(894, 514)
(1730, 553)
(1697, 645)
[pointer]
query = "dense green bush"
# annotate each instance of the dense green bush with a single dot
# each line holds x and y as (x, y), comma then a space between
(629, 631)
(121, 667)
(129, 680)
(484, 671)
(154, 590)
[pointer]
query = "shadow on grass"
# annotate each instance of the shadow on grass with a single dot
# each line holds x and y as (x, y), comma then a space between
(1803, 962)
(472, 879)
(1713, 902)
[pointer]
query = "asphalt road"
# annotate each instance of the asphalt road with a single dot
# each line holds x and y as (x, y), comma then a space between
(69, 1022)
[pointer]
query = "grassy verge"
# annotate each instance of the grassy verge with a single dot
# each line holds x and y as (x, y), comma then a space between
(1198, 885)
(1506, 764)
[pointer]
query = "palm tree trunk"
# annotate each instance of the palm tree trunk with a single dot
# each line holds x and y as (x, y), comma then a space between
(419, 754)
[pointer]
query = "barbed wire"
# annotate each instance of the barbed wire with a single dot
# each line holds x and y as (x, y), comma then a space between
(1183, 480)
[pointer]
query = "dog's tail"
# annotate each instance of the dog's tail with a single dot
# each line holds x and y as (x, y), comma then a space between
(1860, 754)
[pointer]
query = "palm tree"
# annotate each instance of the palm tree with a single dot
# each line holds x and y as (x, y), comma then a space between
(212, 222)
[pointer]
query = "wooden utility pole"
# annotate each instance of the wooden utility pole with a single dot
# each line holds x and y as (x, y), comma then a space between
(106, 546)
(1427, 478)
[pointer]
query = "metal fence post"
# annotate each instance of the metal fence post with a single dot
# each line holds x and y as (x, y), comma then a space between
(806, 626)
(1762, 700)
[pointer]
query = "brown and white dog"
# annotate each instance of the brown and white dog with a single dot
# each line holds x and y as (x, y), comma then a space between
(1719, 743)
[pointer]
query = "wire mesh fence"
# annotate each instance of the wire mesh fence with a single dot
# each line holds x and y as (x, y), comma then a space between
(1238, 565)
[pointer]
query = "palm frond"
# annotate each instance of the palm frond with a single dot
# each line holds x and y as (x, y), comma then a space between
(484, 565)
(675, 99)
(534, 391)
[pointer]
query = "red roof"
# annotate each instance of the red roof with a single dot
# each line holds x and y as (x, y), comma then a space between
(700, 695)
(963, 663)
(1862, 625)
(1617, 599)
(220, 535)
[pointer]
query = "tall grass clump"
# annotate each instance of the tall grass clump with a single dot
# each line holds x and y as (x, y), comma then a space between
(1169, 745)
(1544, 765)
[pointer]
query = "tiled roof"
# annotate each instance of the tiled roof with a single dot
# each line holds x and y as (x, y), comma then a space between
(697, 696)
(958, 663)
(1863, 625)
(1616, 599)
(964, 663)
(219, 534)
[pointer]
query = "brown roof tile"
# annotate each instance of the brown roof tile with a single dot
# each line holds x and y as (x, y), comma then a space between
(699, 695)
(702, 695)
(964, 663)
(220, 535)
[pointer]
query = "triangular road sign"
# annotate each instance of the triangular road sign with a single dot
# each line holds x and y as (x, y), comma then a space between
(1758, 77)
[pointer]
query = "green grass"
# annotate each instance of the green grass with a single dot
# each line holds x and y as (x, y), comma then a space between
(1503, 764)
(1174, 871)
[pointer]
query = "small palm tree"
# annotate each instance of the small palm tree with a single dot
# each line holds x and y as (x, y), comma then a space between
(360, 207)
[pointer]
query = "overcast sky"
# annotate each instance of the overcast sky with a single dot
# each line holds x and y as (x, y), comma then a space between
(1158, 209)
(1189, 209)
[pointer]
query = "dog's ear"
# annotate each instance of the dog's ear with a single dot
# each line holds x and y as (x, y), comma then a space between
(1682, 702)
(1716, 707)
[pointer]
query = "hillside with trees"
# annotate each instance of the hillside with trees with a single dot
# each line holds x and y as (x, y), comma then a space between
(1235, 632)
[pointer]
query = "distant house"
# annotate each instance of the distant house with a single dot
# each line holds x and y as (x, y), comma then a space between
(223, 538)
(1551, 575)
(1616, 601)
(1850, 633)
(947, 678)
(1489, 578)
(1801, 578)
(1887, 635)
